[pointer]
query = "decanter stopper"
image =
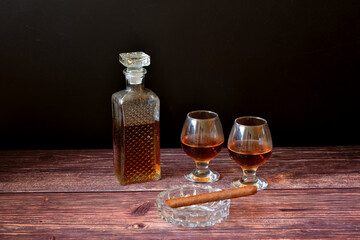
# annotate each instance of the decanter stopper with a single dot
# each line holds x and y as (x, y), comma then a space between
(135, 59)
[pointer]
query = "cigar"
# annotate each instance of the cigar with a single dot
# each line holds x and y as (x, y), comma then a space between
(211, 197)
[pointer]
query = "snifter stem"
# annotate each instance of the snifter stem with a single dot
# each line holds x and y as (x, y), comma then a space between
(202, 168)
(249, 176)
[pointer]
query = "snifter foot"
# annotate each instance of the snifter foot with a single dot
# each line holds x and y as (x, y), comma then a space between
(211, 176)
(260, 183)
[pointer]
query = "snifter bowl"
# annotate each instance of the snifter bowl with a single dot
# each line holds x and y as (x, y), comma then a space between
(198, 215)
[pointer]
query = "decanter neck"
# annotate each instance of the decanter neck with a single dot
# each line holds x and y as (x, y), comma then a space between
(134, 78)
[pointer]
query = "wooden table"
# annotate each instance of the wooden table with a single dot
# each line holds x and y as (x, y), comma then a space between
(314, 192)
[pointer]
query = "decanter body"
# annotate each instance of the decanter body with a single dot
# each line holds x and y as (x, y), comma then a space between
(136, 126)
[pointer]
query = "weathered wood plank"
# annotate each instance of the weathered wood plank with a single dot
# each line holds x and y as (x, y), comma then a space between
(301, 214)
(91, 170)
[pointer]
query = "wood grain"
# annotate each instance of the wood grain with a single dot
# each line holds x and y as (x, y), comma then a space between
(91, 170)
(313, 213)
(72, 194)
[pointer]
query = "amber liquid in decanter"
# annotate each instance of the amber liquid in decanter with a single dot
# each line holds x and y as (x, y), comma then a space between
(140, 163)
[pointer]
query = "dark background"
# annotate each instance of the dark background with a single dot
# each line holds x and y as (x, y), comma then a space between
(294, 63)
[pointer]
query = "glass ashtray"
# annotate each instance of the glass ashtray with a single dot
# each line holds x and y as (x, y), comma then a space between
(199, 215)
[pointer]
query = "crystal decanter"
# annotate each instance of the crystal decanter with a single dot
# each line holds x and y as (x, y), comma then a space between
(136, 126)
